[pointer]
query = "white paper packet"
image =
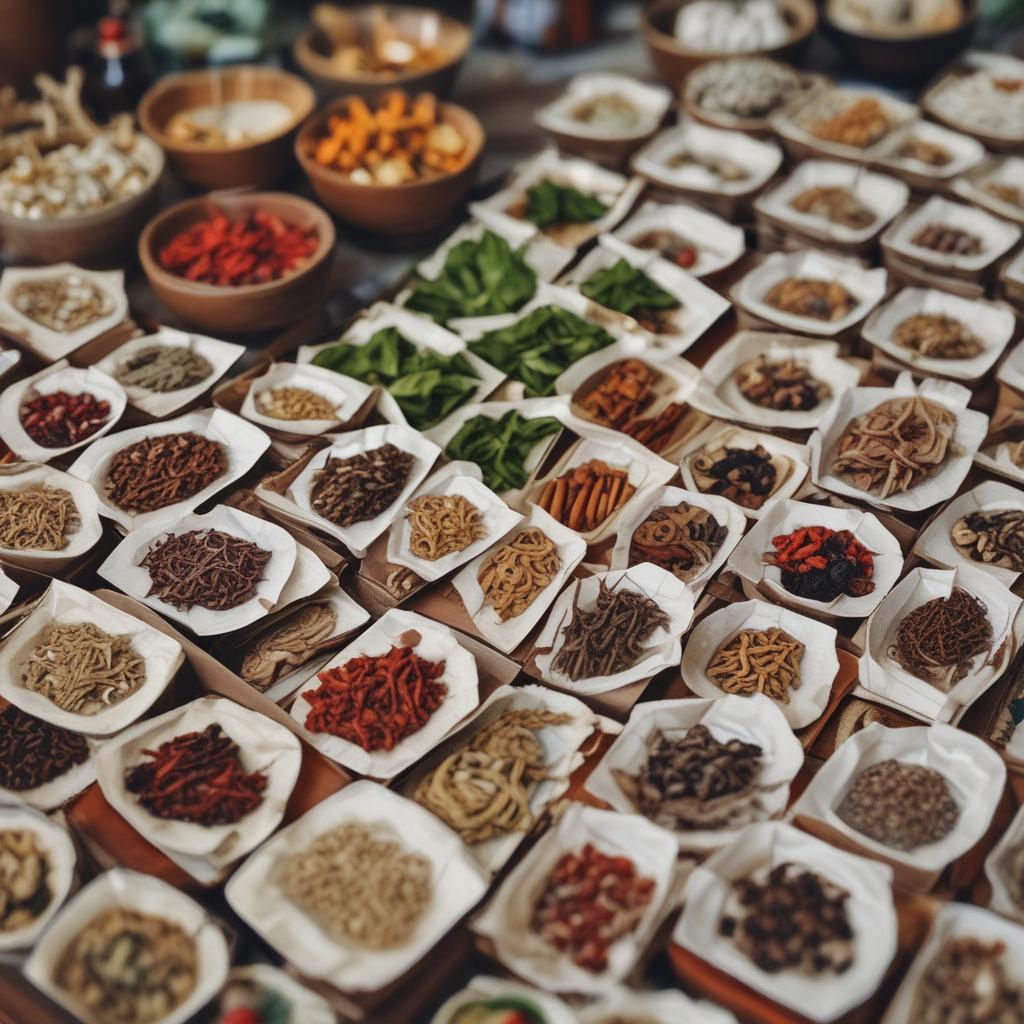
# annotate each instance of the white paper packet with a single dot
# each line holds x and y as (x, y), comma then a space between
(79, 540)
(662, 1006)
(243, 443)
(48, 381)
(308, 576)
(650, 104)
(482, 988)
(935, 544)
(699, 306)
(866, 287)
(616, 191)
(672, 596)
(953, 921)
(752, 720)
(783, 517)
(818, 665)
(881, 674)
(974, 772)
(144, 894)
(997, 172)
(58, 849)
(963, 151)
(437, 643)
(869, 909)
(221, 355)
(822, 358)
(52, 345)
(63, 603)
(507, 635)
(883, 196)
(706, 145)
(562, 756)
(359, 536)
(254, 892)
(969, 432)
(790, 460)
(991, 323)
(724, 511)
(997, 236)
(719, 244)
(496, 517)
(1002, 873)
(123, 568)
(1011, 369)
(505, 920)
(264, 746)
(346, 394)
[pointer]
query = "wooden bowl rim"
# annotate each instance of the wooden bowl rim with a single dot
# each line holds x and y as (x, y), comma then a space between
(973, 13)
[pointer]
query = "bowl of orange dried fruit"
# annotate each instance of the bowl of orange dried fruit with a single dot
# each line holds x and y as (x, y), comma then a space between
(398, 167)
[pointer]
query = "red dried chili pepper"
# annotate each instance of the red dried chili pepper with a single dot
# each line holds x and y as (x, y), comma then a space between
(821, 564)
(60, 419)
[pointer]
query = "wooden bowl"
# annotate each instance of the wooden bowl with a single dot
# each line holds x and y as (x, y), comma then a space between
(221, 309)
(673, 60)
(311, 54)
(255, 164)
(100, 238)
(407, 210)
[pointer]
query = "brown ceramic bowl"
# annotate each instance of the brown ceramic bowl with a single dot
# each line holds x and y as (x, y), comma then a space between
(255, 164)
(247, 308)
(414, 208)
(673, 60)
(100, 238)
(311, 53)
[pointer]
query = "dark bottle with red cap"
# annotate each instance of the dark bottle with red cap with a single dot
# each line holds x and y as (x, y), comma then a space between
(116, 77)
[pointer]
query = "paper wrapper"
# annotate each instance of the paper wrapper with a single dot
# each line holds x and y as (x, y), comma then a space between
(8, 591)
(243, 444)
(59, 377)
(79, 542)
(144, 894)
(1000, 870)
(818, 665)
(867, 288)
(264, 746)
(506, 918)
(1011, 369)
(255, 894)
(935, 544)
(821, 358)
(1000, 171)
(971, 428)
(663, 647)
(782, 518)
(974, 772)
(752, 720)
(359, 536)
(308, 577)
(869, 908)
(719, 244)
(346, 394)
(991, 323)
(63, 603)
(549, 1008)
(562, 756)
(881, 674)
(495, 516)
(759, 159)
(790, 461)
(306, 1006)
(724, 511)
(667, 1006)
(885, 197)
(53, 345)
(123, 567)
(437, 643)
(508, 635)
(650, 103)
(954, 921)
(61, 860)
(997, 236)
(699, 306)
(221, 355)
(964, 152)
(617, 192)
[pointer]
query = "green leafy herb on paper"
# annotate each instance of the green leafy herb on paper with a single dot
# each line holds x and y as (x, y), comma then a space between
(500, 447)
(626, 289)
(539, 347)
(426, 385)
(480, 278)
(548, 204)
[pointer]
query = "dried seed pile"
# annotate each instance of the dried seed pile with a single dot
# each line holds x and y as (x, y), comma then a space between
(294, 403)
(163, 368)
(64, 304)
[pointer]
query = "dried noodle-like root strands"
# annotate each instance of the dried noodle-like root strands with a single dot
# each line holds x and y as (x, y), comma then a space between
(443, 524)
(517, 572)
(758, 661)
(37, 518)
